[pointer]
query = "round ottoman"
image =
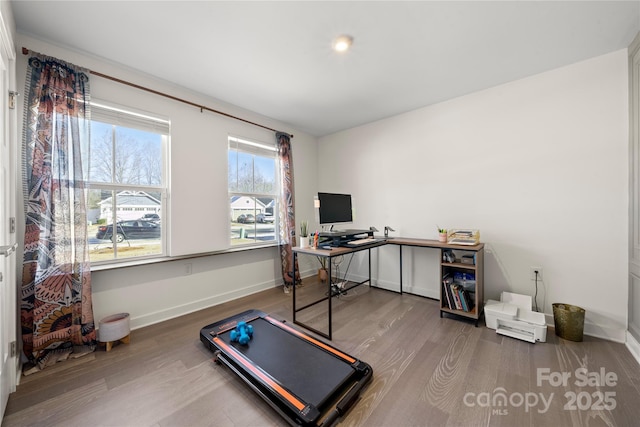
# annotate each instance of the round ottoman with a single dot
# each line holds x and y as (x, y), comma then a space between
(113, 329)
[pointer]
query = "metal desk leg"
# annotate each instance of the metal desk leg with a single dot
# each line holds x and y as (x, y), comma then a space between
(400, 246)
(295, 258)
(369, 250)
(330, 297)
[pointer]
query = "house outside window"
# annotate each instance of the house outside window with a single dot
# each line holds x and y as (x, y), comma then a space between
(127, 184)
(253, 190)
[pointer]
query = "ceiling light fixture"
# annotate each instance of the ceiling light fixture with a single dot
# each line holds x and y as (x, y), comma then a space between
(342, 43)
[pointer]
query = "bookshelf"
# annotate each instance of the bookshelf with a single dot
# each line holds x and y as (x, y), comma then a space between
(462, 284)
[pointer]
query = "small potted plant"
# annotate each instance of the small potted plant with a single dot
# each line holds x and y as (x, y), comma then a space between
(323, 274)
(442, 235)
(304, 234)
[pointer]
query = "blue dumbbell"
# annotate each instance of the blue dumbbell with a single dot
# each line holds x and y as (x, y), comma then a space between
(242, 333)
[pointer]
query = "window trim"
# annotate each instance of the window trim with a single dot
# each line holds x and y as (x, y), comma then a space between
(127, 117)
(108, 112)
(255, 148)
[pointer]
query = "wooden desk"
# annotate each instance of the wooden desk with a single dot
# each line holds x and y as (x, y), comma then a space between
(445, 267)
(328, 254)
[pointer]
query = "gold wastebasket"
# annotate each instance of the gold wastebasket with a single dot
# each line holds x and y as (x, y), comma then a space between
(569, 321)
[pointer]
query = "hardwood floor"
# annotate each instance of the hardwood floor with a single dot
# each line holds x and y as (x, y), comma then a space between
(427, 371)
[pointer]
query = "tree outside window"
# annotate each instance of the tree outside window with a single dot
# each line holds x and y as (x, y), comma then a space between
(127, 185)
(253, 189)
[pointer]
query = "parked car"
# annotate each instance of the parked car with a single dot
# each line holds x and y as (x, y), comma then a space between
(264, 218)
(151, 217)
(134, 229)
(246, 219)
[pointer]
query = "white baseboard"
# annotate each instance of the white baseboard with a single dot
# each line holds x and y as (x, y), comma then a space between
(590, 329)
(597, 331)
(395, 287)
(633, 346)
(180, 310)
(388, 286)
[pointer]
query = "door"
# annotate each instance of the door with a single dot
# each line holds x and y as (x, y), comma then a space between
(8, 293)
(633, 325)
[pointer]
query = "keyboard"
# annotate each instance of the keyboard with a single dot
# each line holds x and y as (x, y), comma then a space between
(366, 241)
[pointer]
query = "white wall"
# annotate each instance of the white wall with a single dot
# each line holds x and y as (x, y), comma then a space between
(539, 165)
(198, 180)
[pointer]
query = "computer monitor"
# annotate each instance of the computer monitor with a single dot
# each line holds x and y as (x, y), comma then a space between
(334, 208)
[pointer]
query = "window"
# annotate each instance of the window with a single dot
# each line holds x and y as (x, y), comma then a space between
(253, 190)
(127, 184)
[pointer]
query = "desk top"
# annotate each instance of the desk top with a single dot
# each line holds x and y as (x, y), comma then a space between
(401, 241)
(337, 251)
(430, 243)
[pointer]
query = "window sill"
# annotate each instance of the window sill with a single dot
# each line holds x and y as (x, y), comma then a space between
(147, 261)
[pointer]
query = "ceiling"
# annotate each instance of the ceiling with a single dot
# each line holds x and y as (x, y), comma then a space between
(275, 58)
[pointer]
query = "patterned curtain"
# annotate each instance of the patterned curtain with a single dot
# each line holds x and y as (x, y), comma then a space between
(287, 211)
(56, 309)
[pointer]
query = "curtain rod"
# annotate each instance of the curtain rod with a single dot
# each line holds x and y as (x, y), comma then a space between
(202, 108)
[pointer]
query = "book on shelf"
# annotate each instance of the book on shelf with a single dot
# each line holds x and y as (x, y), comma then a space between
(459, 298)
(460, 293)
(446, 287)
(456, 296)
(446, 296)
(469, 299)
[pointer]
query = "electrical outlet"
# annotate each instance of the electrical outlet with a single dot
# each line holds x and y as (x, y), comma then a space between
(533, 273)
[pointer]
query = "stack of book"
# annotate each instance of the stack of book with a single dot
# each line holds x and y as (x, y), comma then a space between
(456, 296)
(463, 237)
